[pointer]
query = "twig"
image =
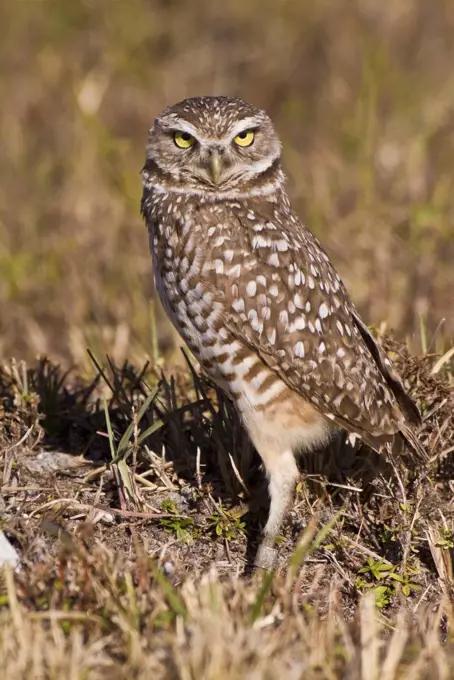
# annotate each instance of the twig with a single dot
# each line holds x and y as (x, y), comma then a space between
(70, 503)
(237, 474)
(22, 439)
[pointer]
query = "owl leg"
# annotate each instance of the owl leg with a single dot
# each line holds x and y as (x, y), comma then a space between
(282, 473)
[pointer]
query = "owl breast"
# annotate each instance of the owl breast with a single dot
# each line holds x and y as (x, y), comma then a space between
(195, 265)
(188, 288)
(186, 307)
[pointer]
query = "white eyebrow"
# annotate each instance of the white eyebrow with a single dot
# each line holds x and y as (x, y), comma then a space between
(180, 125)
(245, 124)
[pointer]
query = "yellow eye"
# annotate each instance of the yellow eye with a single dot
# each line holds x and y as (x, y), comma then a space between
(183, 140)
(245, 138)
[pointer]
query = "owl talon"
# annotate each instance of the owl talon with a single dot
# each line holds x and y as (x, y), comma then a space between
(266, 558)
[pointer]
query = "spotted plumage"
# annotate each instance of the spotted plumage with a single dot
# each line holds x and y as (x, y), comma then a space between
(255, 296)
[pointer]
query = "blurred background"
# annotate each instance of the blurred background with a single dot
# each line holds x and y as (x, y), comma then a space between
(361, 92)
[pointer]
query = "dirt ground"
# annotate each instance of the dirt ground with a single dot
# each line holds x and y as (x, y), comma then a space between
(135, 504)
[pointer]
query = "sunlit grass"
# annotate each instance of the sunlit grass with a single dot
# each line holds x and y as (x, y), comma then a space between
(135, 564)
(362, 97)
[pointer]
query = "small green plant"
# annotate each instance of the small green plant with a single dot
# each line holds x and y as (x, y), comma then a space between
(393, 534)
(389, 534)
(184, 528)
(446, 540)
(226, 525)
(385, 581)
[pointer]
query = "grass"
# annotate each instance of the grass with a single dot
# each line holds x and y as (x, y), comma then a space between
(136, 543)
(362, 95)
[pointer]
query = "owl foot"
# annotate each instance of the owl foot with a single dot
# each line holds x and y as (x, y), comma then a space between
(266, 558)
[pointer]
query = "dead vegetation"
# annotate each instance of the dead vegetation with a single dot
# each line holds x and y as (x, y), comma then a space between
(127, 501)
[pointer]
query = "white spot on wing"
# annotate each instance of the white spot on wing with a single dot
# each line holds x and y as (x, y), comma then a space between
(235, 271)
(323, 310)
(298, 300)
(271, 335)
(314, 270)
(260, 241)
(298, 349)
(251, 288)
(257, 325)
(281, 245)
(238, 305)
(283, 318)
(218, 266)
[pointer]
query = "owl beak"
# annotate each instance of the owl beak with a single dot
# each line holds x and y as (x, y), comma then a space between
(215, 166)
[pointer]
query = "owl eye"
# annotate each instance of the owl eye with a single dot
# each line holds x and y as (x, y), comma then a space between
(183, 140)
(245, 138)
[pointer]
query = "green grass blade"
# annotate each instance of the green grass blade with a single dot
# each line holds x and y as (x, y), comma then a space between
(125, 440)
(173, 600)
(259, 602)
(153, 428)
(109, 430)
(125, 475)
(306, 545)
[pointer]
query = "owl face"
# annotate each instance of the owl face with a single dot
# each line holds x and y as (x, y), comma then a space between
(213, 143)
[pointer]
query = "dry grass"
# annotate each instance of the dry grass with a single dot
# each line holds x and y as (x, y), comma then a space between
(362, 93)
(129, 626)
(135, 538)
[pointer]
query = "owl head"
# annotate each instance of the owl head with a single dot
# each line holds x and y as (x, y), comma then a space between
(212, 144)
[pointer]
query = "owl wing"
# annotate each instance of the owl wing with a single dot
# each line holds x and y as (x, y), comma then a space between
(287, 302)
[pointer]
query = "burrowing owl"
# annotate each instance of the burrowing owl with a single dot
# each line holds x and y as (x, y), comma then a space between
(255, 296)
